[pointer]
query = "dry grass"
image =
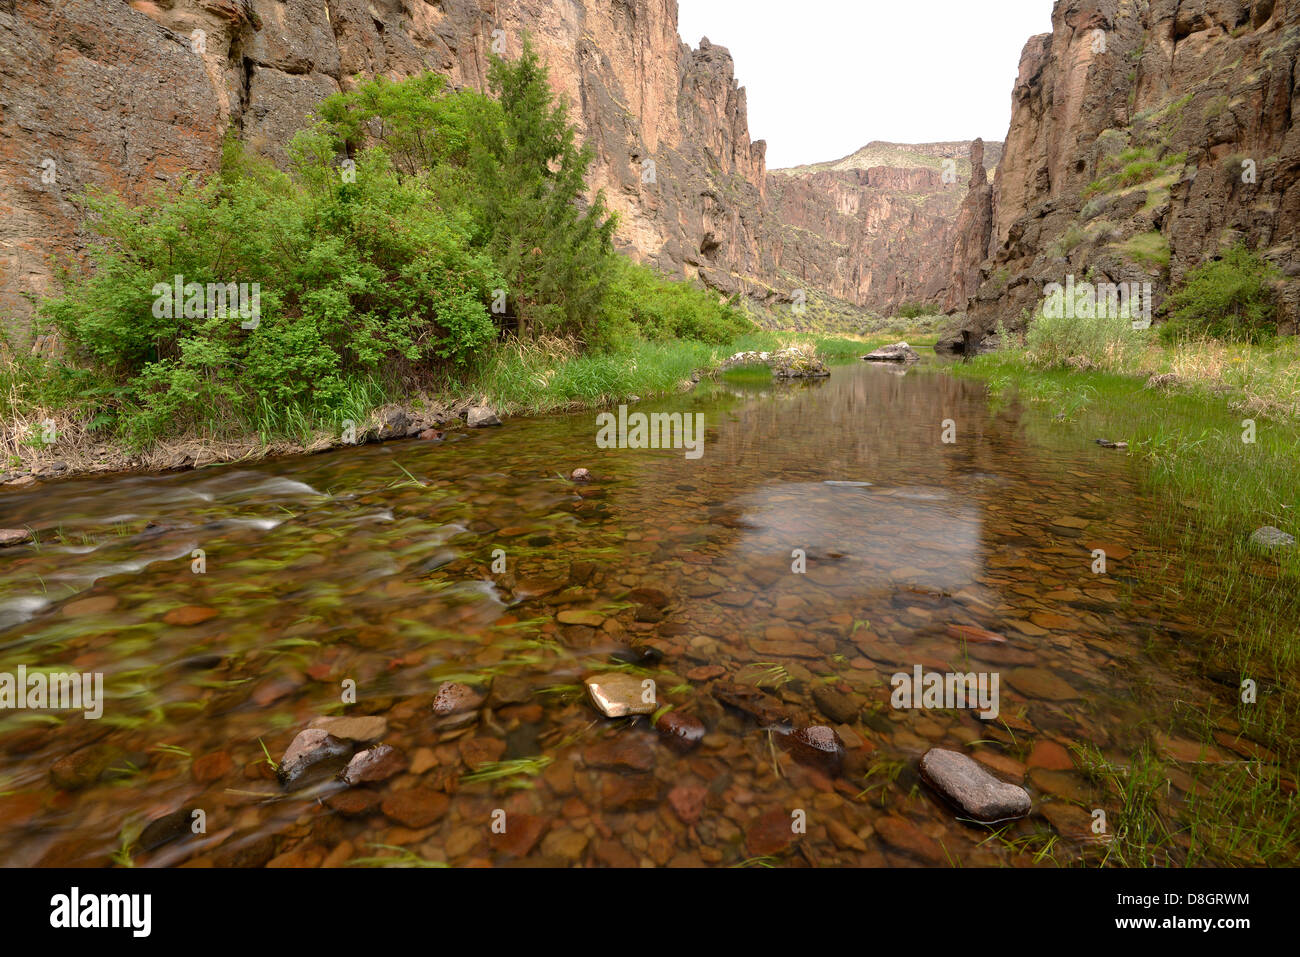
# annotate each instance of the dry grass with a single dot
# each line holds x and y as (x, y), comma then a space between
(1263, 381)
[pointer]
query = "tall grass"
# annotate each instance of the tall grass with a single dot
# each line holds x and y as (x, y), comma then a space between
(1208, 489)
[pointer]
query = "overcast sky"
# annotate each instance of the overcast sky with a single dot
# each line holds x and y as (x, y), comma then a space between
(825, 77)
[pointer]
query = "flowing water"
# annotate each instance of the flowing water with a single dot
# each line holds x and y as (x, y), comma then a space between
(827, 538)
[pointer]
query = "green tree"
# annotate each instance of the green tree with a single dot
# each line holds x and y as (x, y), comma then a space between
(554, 248)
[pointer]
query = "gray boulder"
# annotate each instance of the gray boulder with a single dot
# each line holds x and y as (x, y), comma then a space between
(968, 786)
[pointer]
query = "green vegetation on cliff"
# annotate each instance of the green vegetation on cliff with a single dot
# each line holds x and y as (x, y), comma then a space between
(413, 231)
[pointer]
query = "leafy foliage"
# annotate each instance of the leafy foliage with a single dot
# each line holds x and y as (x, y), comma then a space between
(410, 223)
(1227, 298)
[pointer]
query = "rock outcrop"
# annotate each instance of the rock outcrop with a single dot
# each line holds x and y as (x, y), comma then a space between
(1145, 139)
(875, 229)
(132, 95)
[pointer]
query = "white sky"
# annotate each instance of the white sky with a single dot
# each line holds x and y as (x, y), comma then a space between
(826, 77)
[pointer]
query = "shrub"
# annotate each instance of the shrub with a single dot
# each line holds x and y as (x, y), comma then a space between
(1104, 341)
(914, 310)
(641, 304)
(1227, 298)
(408, 214)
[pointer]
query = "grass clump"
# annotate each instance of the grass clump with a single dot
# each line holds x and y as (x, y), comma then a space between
(1060, 336)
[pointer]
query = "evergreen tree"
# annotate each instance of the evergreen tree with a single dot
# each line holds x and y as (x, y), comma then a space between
(553, 247)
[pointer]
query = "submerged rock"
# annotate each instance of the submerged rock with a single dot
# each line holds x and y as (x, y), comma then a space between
(580, 475)
(13, 536)
(617, 695)
(770, 834)
(818, 746)
(365, 728)
(166, 828)
(897, 352)
(1269, 538)
(83, 767)
(968, 786)
(312, 754)
(1108, 444)
(836, 705)
(755, 702)
(454, 698)
(682, 731)
(376, 764)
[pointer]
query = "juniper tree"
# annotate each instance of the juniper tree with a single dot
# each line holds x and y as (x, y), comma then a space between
(554, 248)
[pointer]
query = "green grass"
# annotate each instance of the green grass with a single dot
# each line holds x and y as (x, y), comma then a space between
(1207, 490)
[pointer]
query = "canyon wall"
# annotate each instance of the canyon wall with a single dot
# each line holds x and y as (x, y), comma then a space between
(130, 96)
(1147, 136)
(876, 229)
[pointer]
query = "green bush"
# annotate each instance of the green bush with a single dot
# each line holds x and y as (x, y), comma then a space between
(914, 310)
(1226, 298)
(407, 216)
(642, 304)
(1105, 341)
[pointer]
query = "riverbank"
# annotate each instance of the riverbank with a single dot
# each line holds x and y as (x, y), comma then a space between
(516, 379)
(1213, 434)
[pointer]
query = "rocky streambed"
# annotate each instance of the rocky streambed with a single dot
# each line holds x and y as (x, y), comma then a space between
(465, 652)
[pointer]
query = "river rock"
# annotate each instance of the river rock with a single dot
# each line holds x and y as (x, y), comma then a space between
(624, 752)
(900, 834)
(432, 435)
(687, 802)
(756, 703)
(166, 828)
(1042, 684)
(188, 615)
(480, 417)
(507, 690)
(522, 832)
(770, 834)
(454, 698)
(817, 746)
(836, 705)
(617, 695)
(312, 753)
(363, 728)
(376, 764)
(898, 352)
(580, 475)
(682, 731)
(415, 807)
(83, 767)
(971, 788)
(1269, 538)
(13, 536)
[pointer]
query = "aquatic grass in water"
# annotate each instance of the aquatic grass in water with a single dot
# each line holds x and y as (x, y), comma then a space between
(506, 770)
(1214, 478)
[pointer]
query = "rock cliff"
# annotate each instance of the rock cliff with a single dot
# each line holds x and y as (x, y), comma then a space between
(877, 228)
(132, 95)
(1145, 138)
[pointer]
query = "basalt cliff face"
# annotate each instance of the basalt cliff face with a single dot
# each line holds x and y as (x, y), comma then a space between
(877, 228)
(1146, 138)
(131, 96)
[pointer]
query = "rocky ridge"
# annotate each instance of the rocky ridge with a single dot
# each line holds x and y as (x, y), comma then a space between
(1145, 139)
(131, 96)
